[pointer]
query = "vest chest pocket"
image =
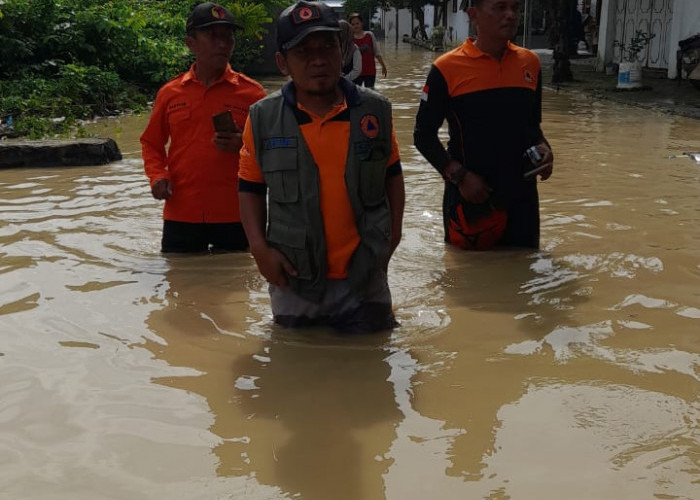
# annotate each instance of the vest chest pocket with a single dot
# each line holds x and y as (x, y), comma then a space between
(179, 121)
(281, 174)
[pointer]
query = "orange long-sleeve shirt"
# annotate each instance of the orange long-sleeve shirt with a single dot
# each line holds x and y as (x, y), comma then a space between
(177, 145)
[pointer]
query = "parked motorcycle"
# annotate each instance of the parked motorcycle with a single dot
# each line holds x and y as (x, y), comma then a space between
(688, 59)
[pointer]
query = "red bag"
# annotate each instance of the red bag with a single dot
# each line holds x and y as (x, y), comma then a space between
(480, 233)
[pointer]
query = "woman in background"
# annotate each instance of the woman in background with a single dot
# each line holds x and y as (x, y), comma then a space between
(369, 50)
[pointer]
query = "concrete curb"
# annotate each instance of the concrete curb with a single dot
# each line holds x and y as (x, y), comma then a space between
(57, 153)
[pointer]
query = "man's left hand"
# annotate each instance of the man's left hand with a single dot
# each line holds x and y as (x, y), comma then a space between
(228, 141)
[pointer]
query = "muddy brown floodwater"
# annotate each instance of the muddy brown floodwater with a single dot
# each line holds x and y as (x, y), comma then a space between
(570, 372)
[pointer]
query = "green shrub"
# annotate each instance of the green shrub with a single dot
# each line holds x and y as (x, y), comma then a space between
(67, 60)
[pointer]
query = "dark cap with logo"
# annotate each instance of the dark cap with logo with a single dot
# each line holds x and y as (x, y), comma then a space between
(302, 18)
(207, 14)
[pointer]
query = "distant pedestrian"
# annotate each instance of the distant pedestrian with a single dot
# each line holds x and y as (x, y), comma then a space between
(352, 59)
(490, 92)
(367, 43)
(190, 157)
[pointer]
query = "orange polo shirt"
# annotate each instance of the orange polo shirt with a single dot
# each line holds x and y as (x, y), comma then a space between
(328, 141)
(177, 145)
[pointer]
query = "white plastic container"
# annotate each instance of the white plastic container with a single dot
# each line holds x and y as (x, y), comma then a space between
(629, 76)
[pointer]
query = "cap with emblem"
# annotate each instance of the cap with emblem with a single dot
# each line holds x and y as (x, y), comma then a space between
(208, 14)
(297, 21)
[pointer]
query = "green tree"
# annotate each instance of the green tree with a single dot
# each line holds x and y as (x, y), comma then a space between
(65, 60)
(253, 16)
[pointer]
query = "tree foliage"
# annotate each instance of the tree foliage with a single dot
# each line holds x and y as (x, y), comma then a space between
(74, 59)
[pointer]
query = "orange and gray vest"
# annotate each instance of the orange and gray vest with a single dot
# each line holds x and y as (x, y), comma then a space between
(295, 222)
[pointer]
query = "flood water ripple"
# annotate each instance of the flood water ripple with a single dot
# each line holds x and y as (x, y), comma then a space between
(568, 372)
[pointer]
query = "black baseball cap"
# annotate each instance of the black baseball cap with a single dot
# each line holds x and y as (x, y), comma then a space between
(207, 14)
(302, 18)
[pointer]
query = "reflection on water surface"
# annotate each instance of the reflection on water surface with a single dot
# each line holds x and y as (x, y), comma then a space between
(569, 372)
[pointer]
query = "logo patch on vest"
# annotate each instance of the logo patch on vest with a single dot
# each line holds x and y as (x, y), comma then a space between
(279, 143)
(369, 125)
(528, 76)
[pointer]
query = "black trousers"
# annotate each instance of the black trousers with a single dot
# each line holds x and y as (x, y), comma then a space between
(367, 80)
(189, 237)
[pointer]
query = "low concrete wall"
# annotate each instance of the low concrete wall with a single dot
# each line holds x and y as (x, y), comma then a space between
(57, 153)
(426, 44)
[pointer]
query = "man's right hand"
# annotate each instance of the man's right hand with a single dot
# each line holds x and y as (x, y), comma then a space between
(273, 265)
(161, 189)
(228, 141)
(474, 189)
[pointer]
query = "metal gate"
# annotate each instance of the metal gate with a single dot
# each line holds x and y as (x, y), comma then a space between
(652, 16)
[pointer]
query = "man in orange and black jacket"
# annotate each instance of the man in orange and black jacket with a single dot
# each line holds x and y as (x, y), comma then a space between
(489, 91)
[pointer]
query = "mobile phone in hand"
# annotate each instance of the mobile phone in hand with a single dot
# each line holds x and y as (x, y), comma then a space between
(224, 122)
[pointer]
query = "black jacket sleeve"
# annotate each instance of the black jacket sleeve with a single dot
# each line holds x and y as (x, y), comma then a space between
(434, 105)
(537, 118)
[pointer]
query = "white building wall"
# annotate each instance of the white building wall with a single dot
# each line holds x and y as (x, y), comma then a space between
(686, 23)
(429, 10)
(606, 33)
(673, 20)
(388, 20)
(458, 21)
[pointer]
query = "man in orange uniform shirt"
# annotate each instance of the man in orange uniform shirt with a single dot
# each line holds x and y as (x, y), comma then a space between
(197, 175)
(321, 187)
